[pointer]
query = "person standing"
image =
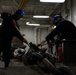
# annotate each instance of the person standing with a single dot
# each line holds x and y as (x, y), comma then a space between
(9, 29)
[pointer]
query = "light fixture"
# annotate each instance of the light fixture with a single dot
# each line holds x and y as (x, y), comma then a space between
(53, 1)
(38, 16)
(31, 24)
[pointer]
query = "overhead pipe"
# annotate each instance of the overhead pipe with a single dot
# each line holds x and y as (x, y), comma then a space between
(35, 33)
(23, 4)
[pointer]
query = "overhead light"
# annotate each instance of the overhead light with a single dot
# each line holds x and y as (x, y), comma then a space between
(53, 1)
(34, 24)
(31, 24)
(38, 16)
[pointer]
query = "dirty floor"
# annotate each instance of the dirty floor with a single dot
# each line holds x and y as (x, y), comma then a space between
(17, 68)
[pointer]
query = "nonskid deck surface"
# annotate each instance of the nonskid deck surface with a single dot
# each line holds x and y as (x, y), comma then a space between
(17, 68)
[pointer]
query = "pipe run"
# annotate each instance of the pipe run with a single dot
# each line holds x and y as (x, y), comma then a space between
(23, 4)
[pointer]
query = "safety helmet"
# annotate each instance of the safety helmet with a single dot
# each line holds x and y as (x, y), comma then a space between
(57, 16)
(20, 11)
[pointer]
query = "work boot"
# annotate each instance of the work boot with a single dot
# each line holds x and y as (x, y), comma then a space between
(6, 65)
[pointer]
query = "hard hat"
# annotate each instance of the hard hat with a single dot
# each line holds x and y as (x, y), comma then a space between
(57, 16)
(20, 11)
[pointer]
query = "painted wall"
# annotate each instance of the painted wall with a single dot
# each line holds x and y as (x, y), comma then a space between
(73, 11)
(42, 33)
(69, 11)
(33, 34)
(66, 10)
(28, 31)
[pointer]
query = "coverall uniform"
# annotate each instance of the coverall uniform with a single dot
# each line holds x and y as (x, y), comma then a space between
(7, 32)
(67, 30)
